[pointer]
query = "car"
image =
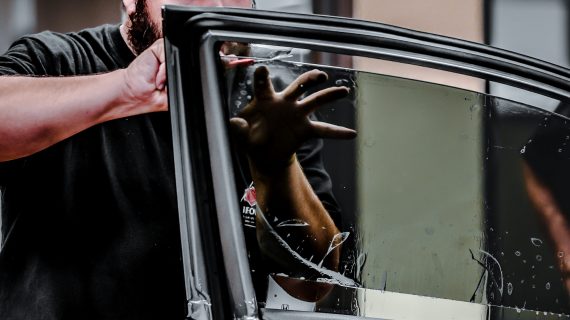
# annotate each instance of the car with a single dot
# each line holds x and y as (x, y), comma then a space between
(454, 201)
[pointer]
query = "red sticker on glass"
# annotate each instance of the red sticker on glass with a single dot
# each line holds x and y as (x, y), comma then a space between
(250, 196)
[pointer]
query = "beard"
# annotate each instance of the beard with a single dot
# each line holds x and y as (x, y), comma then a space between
(143, 32)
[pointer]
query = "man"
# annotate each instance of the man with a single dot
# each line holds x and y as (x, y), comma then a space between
(89, 209)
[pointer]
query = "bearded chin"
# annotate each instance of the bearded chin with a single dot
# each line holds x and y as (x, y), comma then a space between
(142, 32)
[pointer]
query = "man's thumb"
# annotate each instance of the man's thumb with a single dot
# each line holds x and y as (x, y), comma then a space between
(240, 128)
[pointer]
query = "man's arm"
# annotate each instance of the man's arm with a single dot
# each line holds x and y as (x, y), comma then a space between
(273, 127)
(554, 220)
(287, 195)
(37, 112)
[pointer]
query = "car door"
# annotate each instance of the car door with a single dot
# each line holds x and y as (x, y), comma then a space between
(451, 203)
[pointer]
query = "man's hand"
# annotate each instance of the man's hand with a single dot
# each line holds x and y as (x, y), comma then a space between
(275, 124)
(145, 82)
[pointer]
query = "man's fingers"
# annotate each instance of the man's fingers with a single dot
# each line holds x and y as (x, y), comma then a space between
(305, 81)
(239, 128)
(158, 50)
(230, 60)
(330, 131)
(161, 77)
(318, 99)
(263, 88)
(159, 102)
(230, 64)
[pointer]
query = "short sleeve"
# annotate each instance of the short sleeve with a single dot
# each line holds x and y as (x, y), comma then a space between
(22, 58)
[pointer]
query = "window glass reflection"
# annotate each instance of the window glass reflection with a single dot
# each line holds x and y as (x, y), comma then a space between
(445, 193)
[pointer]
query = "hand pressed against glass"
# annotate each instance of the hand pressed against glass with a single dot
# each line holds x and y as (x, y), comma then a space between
(275, 124)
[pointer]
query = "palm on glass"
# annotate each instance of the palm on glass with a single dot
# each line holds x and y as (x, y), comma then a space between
(275, 124)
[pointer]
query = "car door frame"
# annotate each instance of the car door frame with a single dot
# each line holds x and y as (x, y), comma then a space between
(214, 252)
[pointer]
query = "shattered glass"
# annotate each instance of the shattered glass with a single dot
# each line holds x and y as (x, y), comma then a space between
(445, 194)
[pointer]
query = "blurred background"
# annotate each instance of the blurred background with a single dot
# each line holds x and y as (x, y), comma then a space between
(535, 27)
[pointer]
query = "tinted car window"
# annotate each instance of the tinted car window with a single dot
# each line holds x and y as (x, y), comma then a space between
(445, 193)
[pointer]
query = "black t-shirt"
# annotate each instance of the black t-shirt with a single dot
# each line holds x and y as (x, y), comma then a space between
(90, 225)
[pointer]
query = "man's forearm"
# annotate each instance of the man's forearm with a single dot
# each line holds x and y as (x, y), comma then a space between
(36, 113)
(287, 195)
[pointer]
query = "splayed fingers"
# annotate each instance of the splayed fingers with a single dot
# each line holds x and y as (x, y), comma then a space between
(330, 131)
(275, 124)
